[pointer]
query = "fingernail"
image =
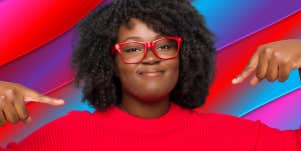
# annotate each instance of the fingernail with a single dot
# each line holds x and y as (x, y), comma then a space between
(235, 81)
(60, 101)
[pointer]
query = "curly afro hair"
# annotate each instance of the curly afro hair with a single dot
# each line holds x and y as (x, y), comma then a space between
(94, 61)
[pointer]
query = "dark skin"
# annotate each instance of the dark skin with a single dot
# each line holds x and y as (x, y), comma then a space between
(273, 61)
(147, 96)
(146, 85)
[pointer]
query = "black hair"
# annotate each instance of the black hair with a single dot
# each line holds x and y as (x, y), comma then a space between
(94, 61)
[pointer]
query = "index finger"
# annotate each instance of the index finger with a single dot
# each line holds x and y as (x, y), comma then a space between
(247, 70)
(44, 99)
(33, 96)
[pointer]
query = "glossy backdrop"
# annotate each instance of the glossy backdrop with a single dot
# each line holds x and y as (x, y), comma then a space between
(35, 49)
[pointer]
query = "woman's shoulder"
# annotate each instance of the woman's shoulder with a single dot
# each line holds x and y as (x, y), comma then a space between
(72, 118)
(225, 120)
(76, 115)
(88, 116)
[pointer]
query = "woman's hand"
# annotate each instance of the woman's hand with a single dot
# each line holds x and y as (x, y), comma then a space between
(12, 102)
(273, 61)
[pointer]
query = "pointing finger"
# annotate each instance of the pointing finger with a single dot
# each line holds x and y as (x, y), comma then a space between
(33, 96)
(46, 100)
(248, 70)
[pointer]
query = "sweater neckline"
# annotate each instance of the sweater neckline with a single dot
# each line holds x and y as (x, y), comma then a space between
(134, 117)
(125, 122)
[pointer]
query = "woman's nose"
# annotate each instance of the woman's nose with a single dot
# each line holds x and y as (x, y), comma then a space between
(150, 57)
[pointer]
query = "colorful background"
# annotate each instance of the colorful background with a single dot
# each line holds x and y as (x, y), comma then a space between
(35, 50)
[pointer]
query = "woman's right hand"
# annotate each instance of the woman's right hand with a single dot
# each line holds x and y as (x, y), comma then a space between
(12, 102)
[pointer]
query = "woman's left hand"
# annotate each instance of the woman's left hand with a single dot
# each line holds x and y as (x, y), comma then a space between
(273, 61)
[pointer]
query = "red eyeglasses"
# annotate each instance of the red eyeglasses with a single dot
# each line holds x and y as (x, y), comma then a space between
(164, 48)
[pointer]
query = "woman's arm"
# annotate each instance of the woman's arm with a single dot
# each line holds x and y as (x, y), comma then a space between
(64, 133)
(276, 140)
(237, 133)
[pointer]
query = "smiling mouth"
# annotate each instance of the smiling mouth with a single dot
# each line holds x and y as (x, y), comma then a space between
(151, 74)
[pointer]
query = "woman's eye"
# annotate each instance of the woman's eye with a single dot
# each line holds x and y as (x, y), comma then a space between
(132, 50)
(164, 47)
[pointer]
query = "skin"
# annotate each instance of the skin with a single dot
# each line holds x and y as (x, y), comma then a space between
(273, 61)
(146, 85)
(148, 96)
(12, 102)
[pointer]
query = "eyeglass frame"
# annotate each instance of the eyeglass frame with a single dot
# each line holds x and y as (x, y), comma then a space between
(147, 45)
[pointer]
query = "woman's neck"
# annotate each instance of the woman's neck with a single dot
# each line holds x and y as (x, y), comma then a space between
(144, 109)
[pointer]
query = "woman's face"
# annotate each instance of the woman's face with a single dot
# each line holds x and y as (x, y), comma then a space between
(152, 79)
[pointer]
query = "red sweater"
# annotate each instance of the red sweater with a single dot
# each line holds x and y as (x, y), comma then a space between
(178, 130)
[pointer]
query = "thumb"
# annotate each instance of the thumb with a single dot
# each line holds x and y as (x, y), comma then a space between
(247, 70)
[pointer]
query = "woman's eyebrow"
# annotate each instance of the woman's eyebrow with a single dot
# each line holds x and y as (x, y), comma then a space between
(131, 38)
(159, 36)
(139, 38)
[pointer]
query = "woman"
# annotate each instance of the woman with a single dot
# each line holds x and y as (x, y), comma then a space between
(144, 65)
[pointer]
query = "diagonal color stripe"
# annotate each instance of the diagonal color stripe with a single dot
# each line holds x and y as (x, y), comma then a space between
(40, 22)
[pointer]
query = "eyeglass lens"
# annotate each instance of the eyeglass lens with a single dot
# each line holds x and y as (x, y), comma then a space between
(134, 52)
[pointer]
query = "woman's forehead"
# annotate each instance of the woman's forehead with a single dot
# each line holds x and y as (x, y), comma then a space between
(138, 30)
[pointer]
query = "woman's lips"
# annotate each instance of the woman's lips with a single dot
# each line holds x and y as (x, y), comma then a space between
(151, 73)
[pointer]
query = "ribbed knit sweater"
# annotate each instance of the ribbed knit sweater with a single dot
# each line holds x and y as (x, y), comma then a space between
(177, 130)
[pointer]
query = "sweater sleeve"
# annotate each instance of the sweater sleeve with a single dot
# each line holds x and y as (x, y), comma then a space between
(277, 140)
(56, 135)
(253, 135)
